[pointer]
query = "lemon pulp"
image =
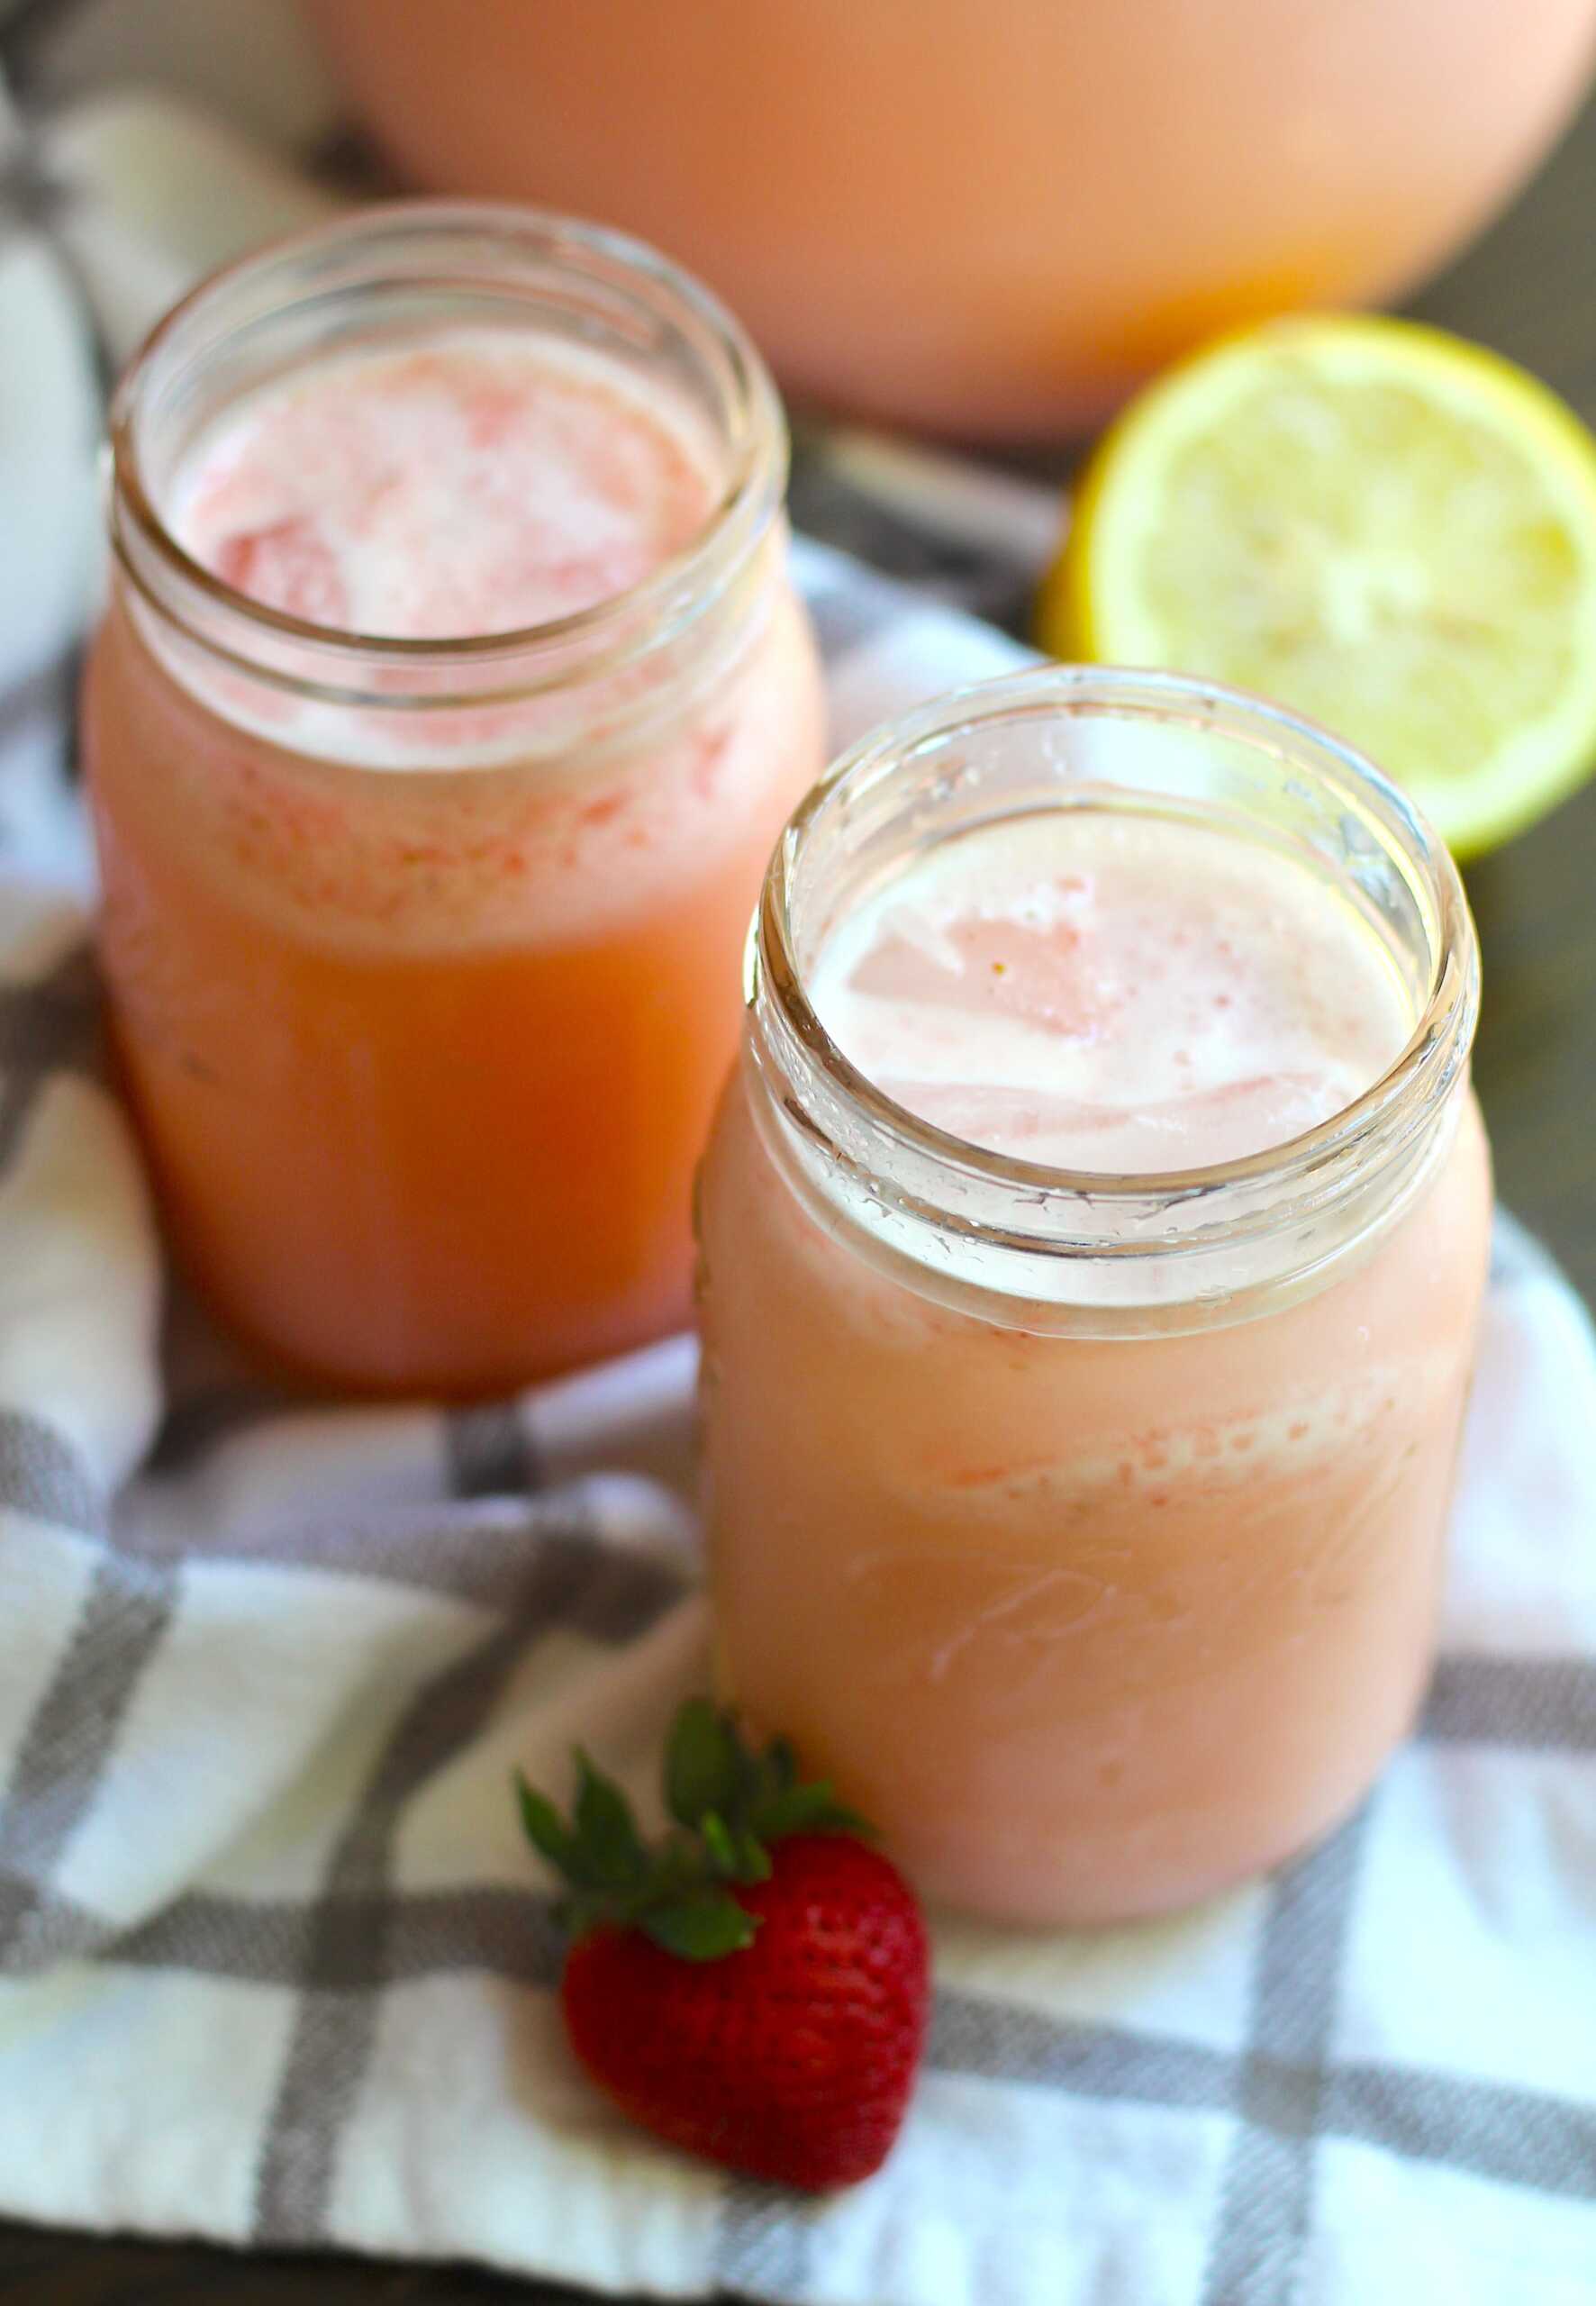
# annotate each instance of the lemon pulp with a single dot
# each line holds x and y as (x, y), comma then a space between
(1383, 527)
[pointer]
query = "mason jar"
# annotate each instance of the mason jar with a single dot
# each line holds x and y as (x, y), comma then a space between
(422, 944)
(1087, 1525)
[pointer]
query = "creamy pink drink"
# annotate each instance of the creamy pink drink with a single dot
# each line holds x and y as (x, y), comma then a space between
(1116, 992)
(477, 482)
(1083, 1373)
(451, 694)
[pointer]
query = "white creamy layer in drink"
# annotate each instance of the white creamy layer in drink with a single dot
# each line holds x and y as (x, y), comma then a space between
(477, 484)
(1113, 992)
(469, 484)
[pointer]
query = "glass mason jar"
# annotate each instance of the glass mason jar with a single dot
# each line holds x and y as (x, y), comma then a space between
(423, 953)
(1088, 1529)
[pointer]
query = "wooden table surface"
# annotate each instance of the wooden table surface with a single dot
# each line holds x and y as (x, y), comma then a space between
(1528, 290)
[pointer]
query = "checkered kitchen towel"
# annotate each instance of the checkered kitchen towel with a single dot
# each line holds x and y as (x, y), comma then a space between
(274, 1964)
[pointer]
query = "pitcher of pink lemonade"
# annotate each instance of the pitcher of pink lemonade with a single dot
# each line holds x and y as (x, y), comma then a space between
(1093, 1238)
(450, 693)
(991, 219)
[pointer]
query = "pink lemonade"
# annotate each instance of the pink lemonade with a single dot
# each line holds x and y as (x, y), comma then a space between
(428, 842)
(1096, 1593)
(476, 484)
(1112, 993)
(894, 193)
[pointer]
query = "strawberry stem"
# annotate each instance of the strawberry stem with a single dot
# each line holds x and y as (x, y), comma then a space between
(730, 1802)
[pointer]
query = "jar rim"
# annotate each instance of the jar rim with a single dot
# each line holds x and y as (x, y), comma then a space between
(633, 620)
(1312, 1170)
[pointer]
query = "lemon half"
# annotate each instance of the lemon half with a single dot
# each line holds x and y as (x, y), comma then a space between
(1389, 530)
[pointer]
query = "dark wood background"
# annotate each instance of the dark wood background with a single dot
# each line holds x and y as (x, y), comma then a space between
(1529, 289)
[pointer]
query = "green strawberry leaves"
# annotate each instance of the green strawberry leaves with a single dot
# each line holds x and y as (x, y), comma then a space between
(703, 1763)
(724, 1853)
(606, 1837)
(544, 1827)
(701, 1925)
(806, 1809)
(729, 1802)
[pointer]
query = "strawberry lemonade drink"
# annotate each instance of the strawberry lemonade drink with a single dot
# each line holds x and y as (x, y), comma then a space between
(1093, 1240)
(450, 696)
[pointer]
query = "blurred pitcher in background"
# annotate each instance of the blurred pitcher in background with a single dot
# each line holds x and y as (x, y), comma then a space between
(990, 221)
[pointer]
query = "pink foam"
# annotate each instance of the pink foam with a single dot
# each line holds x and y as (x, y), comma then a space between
(477, 485)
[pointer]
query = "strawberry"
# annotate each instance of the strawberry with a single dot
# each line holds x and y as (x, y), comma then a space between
(754, 1987)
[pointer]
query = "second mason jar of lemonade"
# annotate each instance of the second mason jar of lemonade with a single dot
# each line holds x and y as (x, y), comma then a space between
(1092, 1239)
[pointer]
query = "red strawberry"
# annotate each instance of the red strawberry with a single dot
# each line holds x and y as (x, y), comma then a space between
(755, 1988)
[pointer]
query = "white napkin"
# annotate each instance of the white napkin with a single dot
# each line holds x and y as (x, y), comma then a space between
(275, 1966)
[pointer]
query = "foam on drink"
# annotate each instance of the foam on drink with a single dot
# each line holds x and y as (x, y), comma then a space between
(1113, 992)
(478, 484)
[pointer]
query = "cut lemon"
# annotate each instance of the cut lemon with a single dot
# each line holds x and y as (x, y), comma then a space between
(1374, 523)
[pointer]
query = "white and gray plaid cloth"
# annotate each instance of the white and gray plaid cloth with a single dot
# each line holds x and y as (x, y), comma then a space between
(275, 1965)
